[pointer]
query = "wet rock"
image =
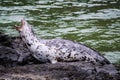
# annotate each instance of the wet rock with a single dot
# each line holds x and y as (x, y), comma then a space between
(16, 63)
(8, 56)
(58, 71)
(13, 52)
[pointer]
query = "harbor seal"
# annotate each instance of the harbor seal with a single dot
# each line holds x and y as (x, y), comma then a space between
(54, 50)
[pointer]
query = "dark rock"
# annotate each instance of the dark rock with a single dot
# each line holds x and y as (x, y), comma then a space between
(4, 40)
(8, 56)
(16, 63)
(58, 71)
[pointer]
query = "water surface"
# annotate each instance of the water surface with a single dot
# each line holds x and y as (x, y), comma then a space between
(95, 23)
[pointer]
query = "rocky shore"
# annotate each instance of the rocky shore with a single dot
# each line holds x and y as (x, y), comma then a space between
(16, 63)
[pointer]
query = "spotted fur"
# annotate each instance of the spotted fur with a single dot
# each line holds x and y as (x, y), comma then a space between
(55, 50)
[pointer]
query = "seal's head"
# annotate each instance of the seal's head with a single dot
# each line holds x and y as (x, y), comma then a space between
(23, 27)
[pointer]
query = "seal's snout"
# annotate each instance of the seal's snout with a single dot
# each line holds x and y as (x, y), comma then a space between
(19, 28)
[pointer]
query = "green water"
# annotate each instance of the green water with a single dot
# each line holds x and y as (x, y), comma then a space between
(95, 23)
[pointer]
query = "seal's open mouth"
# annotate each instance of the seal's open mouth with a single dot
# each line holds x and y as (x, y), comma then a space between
(21, 26)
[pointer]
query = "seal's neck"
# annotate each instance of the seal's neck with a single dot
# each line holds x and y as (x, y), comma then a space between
(28, 36)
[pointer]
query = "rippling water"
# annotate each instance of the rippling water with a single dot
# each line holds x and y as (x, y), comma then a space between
(95, 23)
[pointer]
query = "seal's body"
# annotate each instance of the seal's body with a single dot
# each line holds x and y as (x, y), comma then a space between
(55, 50)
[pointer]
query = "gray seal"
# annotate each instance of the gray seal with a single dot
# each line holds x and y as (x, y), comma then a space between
(54, 50)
